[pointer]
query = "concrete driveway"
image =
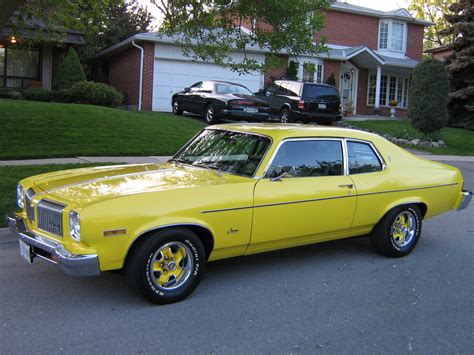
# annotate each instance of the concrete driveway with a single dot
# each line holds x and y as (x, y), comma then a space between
(337, 297)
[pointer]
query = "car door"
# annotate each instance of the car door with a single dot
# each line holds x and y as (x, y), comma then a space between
(269, 96)
(304, 195)
(186, 99)
(200, 97)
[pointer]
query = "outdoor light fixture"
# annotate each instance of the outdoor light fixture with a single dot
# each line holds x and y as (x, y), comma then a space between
(12, 39)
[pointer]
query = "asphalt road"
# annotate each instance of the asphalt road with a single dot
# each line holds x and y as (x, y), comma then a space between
(337, 297)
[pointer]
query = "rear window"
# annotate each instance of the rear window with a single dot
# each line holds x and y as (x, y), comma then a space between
(320, 92)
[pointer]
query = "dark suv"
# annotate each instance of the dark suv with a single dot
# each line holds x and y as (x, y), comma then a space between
(293, 101)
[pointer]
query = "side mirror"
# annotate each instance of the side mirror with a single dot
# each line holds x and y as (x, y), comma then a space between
(260, 92)
(187, 90)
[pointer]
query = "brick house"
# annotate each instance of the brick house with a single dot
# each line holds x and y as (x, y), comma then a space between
(371, 55)
(28, 63)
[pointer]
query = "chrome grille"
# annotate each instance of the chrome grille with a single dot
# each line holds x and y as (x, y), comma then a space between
(30, 209)
(50, 217)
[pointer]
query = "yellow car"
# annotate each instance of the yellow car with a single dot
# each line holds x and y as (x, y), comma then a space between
(234, 189)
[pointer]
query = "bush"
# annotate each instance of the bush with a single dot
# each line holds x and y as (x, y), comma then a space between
(292, 71)
(14, 95)
(63, 95)
(331, 80)
(69, 72)
(88, 92)
(428, 97)
(38, 94)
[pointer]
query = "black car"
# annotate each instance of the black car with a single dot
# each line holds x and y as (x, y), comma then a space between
(293, 101)
(216, 100)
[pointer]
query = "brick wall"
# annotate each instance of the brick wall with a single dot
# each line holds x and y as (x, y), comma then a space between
(415, 41)
(124, 74)
(350, 29)
(148, 62)
(332, 67)
(276, 73)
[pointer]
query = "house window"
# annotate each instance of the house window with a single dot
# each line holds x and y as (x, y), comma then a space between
(310, 76)
(18, 66)
(392, 35)
(391, 88)
(372, 88)
(383, 37)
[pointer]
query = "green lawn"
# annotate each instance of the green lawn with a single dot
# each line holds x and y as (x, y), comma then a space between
(10, 175)
(458, 141)
(44, 130)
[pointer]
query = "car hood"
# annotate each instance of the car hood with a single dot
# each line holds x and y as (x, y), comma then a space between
(89, 185)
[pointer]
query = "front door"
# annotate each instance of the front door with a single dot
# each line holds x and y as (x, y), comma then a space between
(347, 90)
(304, 196)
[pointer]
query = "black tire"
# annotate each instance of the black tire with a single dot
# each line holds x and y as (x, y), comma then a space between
(147, 256)
(176, 108)
(285, 116)
(386, 236)
(210, 115)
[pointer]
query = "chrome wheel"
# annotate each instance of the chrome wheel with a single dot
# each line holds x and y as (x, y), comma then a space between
(284, 116)
(210, 114)
(171, 266)
(403, 229)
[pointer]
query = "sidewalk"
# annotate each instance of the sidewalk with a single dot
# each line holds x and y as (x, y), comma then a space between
(161, 159)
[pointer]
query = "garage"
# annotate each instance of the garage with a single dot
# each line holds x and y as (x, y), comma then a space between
(172, 72)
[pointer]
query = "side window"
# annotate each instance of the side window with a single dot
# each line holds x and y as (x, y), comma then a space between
(270, 90)
(196, 86)
(208, 86)
(362, 158)
(303, 158)
(282, 89)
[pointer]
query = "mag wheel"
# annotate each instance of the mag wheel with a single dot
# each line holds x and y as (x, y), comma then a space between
(167, 266)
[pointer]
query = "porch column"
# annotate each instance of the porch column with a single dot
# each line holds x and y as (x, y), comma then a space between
(377, 86)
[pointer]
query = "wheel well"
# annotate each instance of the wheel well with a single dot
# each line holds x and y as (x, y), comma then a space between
(421, 205)
(203, 233)
(288, 107)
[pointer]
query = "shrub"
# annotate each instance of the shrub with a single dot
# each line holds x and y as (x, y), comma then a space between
(63, 95)
(14, 95)
(38, 94)
(292, 71)
(331, 80)
(429, 96)
(88, 92)
(69, 72)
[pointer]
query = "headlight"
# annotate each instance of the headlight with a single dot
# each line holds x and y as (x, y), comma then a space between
(20, 196)
(75, 226)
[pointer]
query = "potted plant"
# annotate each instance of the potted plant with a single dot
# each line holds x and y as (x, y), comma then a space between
(348, 108)
(393, 103)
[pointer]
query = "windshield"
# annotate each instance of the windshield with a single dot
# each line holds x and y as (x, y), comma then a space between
(232, 152)
(223, 88)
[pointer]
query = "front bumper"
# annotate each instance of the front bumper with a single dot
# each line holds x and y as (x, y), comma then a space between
(465, 199)
(54, 252)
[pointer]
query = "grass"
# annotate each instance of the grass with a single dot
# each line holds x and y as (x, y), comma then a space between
(10, 175)
(46, 130)
(458, 141)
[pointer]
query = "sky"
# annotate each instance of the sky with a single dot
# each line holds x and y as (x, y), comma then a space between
(384, 5)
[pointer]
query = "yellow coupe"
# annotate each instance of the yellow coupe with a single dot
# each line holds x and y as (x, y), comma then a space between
(234, 189)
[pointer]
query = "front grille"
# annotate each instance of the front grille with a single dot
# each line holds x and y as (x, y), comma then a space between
(50, 217)
(30, 209)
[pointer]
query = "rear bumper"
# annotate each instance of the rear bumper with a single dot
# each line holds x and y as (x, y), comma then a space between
(54, 252)
(233, 114)
(317, 116)
(466, 197)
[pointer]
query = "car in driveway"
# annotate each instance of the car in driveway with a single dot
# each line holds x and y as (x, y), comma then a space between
(220, 100)
(233, 190)
(293, 101)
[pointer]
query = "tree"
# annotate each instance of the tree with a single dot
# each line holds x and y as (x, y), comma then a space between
(428, 97)
(461, 65)
(103, 23)
(434, 11)
(210, 30)
(70, 71)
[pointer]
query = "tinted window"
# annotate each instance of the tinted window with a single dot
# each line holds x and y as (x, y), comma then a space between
(224, 88)
(270, 90)
(282, 89)
(308, 158)
(320, 92)
(362, 158)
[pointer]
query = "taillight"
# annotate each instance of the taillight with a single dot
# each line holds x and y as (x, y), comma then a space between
(301, 104)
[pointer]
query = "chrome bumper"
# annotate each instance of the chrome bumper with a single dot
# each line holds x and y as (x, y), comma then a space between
(45, 248)
(466, 199)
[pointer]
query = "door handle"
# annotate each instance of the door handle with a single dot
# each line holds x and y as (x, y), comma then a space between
(349, 186)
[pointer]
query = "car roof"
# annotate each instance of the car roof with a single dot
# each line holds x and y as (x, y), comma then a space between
(303, 82)
(280, 131)
(223, 82)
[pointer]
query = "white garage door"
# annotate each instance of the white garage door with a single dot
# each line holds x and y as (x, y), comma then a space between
(173, 75)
